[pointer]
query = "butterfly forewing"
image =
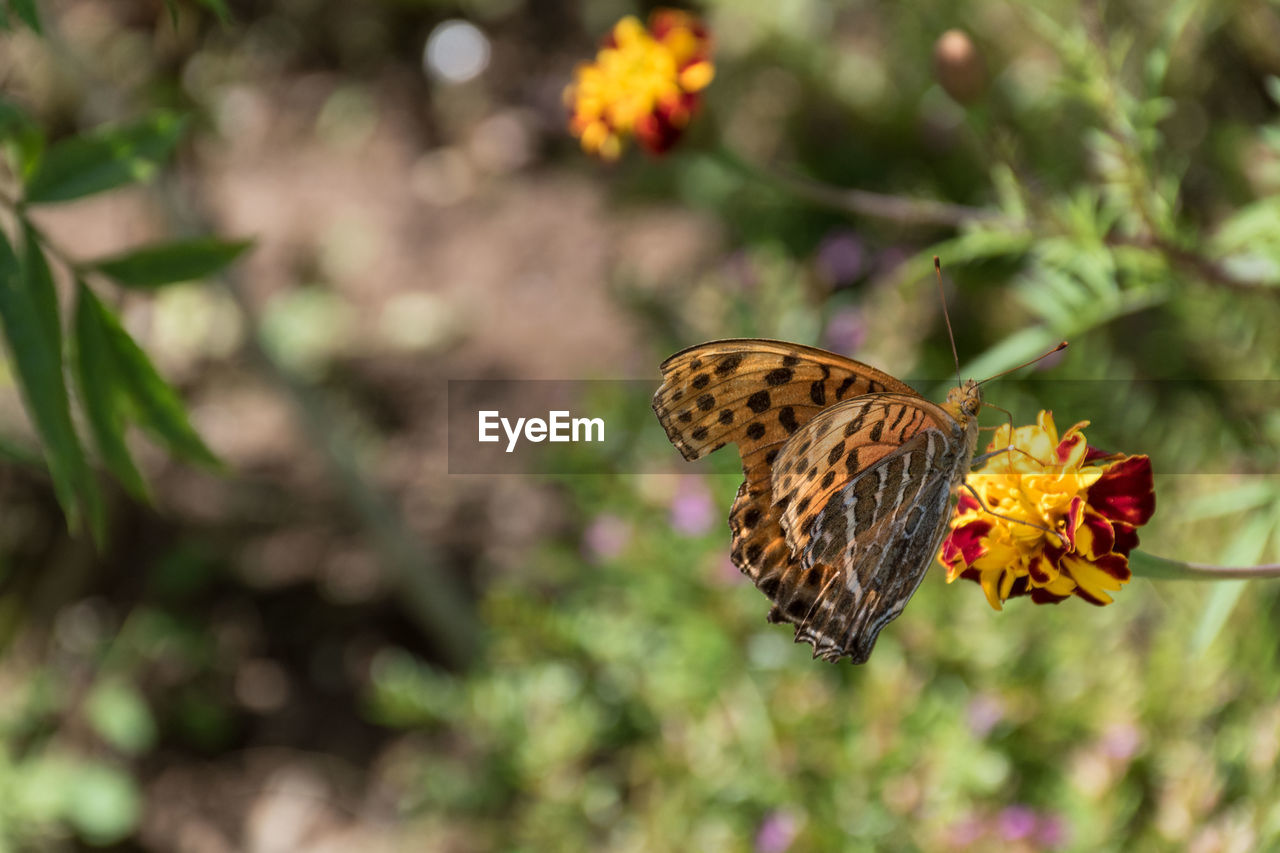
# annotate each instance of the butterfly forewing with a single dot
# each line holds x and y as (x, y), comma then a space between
(755, 393)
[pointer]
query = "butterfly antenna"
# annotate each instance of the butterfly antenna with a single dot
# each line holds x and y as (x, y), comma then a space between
(1059, 348)
(937, 268)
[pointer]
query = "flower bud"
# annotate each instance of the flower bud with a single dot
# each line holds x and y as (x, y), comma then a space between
(959, 67)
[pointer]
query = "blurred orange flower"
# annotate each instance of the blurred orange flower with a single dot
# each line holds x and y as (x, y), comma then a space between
(644, 82)
(1093, 500)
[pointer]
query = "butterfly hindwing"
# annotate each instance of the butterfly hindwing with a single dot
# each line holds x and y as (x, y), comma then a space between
(835, 446)
(874, 540)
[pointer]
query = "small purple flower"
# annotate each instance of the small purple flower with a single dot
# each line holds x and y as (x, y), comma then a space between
(605, 538)
(1121, 741)
(890, 259)
(1052, 832)
(777, 831)
(966, 831)
(1016, 823)
(741, 271)
(985, 712)
(840, 258)
(692, 511)
(846, 330)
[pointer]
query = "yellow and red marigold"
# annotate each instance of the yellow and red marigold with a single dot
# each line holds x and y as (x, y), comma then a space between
(1095, 501)
(644, 82)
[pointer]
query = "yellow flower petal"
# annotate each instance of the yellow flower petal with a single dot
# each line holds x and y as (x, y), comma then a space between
(697, 76)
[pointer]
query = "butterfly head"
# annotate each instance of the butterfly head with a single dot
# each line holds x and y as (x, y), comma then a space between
(965, 401)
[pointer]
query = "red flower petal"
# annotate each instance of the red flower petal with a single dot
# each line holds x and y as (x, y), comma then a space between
(966, 543)
(1093, 454)
(1067, 445)
(1126, 491)
(1039, 568)
(1040, 595)
(663, 21)
(1080, 591)
(1114, 565)
(967, 503)
(1073, 520)
(1126, 537)
(656, 134)
(1095, 537)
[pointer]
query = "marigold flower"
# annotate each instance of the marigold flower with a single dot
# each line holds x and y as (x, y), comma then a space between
(644, 82)
(1094, 500)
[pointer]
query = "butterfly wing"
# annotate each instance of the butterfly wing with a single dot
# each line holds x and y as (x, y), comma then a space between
(865, 493)
(757, 394)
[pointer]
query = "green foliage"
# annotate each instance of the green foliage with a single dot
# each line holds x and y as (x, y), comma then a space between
(103, 160)
(117, 382)
(37, 355)
(26, 12)
(170, 263)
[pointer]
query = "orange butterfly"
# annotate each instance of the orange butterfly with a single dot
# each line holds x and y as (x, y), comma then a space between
(849, 474)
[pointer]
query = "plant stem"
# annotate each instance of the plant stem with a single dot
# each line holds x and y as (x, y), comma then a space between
(1162, 568)
(892, 208)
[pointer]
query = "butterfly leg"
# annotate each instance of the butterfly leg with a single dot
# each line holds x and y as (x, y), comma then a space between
(1061, 539)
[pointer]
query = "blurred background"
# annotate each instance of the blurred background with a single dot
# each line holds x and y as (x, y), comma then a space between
(333, 644)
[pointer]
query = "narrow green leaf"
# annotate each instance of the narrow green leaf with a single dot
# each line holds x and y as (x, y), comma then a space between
(1245, 549)
(102, 391)
(38, 363)
(153, 402)
(167, 263)
(120, 716)
(11, 116)
(104, 159)
(219, 8)
(172, 6)
(18, 453)
(26, 10)
(39, 284)
(21, 136)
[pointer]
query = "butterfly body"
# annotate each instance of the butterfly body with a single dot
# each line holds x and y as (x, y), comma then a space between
(848, 478)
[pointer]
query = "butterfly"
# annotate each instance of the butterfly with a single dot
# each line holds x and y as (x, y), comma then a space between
(848, 478)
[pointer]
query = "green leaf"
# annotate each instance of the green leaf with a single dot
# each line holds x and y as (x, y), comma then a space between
(167, 263)
(152, 402)
(1246, 548)
(102, 803)
(37, 358)
(26, 10)
(102, 391)
(219, 8)
(104, 159)
(120, 716)
(21, 136)
(11, 116)
(39, 284)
